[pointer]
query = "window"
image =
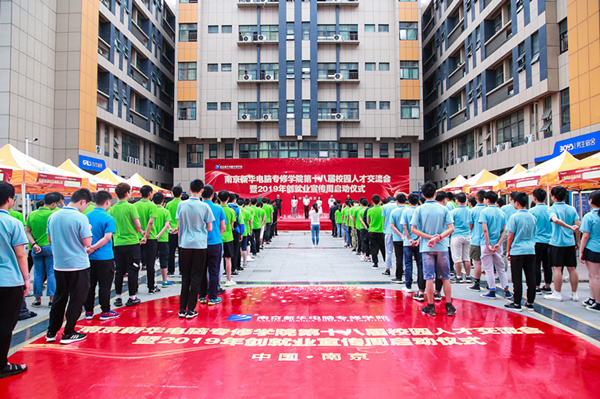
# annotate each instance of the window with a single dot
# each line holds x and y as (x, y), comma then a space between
(195, 155)
(213, 67)
(130, 148)
(226, 29)
(225, 67)
(564, 36)
(466, 145)
(213, 151)
(187, 71)
(409, 109)
(348, 150)
(402, 150)
(371, 105)
(248, 151)
(409, 70)
(186, 110)
(477, 37)
(384, 66)
(499, 75)
(384, 28)
(212, 106)
(368, 150)
(511, 129)
(497, 21)
(565, 110)
(228, 151)
(369, 28)
(384, 105)
(383, 150)
(408, 30)
(521, 59)
(535, 48)
(188, 32)
(370, 66)
(226, 106)
(213, 28)
(547, 118)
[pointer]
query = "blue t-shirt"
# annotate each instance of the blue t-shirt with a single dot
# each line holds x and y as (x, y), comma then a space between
(562, 237)
(12, 234)
(591, 225)
(193, 216)
(214, 236)
(386, 213)
(102, 223)
(543, 225)
(508, 210)
(396, 217)
(406, 217)
(67, 228)
(450, 206)
(477, 232)
(432, 218)
(522, 225)
(461, 221)
(495, 220)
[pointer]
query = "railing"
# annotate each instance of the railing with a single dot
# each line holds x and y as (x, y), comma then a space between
(456, 75)
(139, 33)
(102, 100)
(166, 98)
(103, 48)
(500, 94)
(169, 64)
(138, 76)
(456, 32)
(428, 28)
(170, 30)
(499, 38)
(138, 119)
(458, 118)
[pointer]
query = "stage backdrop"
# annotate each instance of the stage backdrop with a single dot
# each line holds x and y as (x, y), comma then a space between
(312, 177)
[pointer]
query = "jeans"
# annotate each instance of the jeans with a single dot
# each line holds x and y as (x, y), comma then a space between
(294, 209)
(389, 250)
(102, 273)
(43, 267)
(314, 232)
(72, 288)
(436, 265)
(339, 230)
(348, 236)
(411, 253)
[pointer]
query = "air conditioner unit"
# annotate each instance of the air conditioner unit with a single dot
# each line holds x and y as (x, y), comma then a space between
(269, 77)
(458, 160)
(98, 149)
(160, 167)
(529, 139)
(267, 117)
(337, 38)
(465, 158)
(506, 146)
(261, 38)
(247, 77)
(498, 148)
(246, 117)
(338, 76)
(260, 1)
(247, 38)
(438, 166)
(339, 117)
(133, 160)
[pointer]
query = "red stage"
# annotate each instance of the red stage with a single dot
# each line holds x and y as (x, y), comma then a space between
(300, 224)
(311, 342)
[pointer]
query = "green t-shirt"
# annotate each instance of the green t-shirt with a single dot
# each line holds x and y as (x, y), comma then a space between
(162, 216)
(146, 209)
(346, 215)
(376, 220)
(38, 222)
(269, 211)
(248, 214)
(16, 215)
(259, 214)
(124, 214)
(338, 217)
(230, 215)
(172, 208)
(358, 214)
(90, 208)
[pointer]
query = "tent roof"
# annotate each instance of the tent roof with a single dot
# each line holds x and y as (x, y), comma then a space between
(108, 174)
(544, 174)
(479, 178)
(456, 183)
(13, 158)
(496, 183)
(138, 181)
(70, 166)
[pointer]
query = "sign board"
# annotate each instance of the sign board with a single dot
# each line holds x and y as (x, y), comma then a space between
(89, 163)
(575, 145)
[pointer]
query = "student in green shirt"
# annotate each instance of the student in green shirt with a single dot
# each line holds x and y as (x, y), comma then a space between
(338, 221)
(90, 208)
(147, 212)
(173, 233)
(354, 217)
(128, 257)
(269, 220)
(227, 236)
(375, 221)
(43, 261)
(160, 228)
(247, 228)
(257, 224)
(346, 221)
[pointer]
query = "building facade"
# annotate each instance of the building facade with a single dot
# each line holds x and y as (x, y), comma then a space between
(297, 79)
(91, 79)
(507, 82)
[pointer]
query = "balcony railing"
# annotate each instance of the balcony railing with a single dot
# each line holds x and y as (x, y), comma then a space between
(351, 38)
(342, 116)
(139, 33)
(456, 75)
(170, 30)
(138, 119)
(138, 76)
(499, 38)
(102, 100)
(103, 48)
(244, 3)
(499, 94)
(458, 29)
(458, 118)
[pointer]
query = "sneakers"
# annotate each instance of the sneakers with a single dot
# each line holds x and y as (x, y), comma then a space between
(153, 290)
(111, 314)
(419, 297)
(588, 302)
(529, 306)
(133, 302)
(375, 266)
(229, 283)
(555, 296)
(546, 290)
(36, 304)
(50, 337)
(428, 310)
(513, 306)
(574, 297)
(408, 290)
(474, 287)
(386, 272)
(69, 339)
(166, 283)
(397, 280)
(437, 297)
(450, 309)
(212, 302)
(489, 295)
(508, 294)
(118, 302)
(182, 314)
(456, 280)
(220, 291)
(594, 308)
(191, 314)
(89, 315)
(202, 300)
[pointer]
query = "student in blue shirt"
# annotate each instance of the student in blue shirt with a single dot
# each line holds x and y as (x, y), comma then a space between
(460, 243)
(195, 221)
(410, 247)
(521, 252)
(102, 258)
(14, 276)
(70, 236)
(493, 222)
(563, 246)
(509, 209)
(590, 242)
(214, 250)
(434, 224)
(476, 236)
(543, 231)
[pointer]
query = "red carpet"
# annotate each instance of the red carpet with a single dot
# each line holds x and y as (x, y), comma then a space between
(300, 224)
(311, 342)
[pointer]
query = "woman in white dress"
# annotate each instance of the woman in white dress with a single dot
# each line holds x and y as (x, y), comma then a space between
(320, 204)
(294, 206)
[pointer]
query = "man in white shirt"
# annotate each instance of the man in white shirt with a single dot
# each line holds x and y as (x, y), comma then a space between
(306, 203)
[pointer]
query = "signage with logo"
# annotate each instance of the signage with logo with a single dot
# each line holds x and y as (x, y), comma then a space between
(89, 163)
(6, 175)
(575, 145)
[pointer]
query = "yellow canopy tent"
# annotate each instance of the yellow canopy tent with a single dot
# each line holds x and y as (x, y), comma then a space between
(138, 181)
(454, 184)
(495, 184)
(581, 175)
(96, 183)
(477, 179)
(108, 174)
(542, 175)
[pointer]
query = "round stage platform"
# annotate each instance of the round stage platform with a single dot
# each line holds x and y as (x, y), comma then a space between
(311, 342)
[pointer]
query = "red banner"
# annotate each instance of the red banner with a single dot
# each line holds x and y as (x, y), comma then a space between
(47, 180)
(6, 175)
(591, 173)
(312, 177)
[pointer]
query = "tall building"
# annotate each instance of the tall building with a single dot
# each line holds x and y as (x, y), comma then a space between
(507, 82)
(93, 81)
(297, 79)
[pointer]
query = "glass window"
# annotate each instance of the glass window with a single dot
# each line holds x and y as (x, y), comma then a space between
(228, 151)
(383, 150)
(409, 109)
(408, 30)
(409, 70)
(370, 66)
(212, 106)
(402, 150)
(225, 67)
(565, 110)
(477, 37)
(535, 43)
(213, 67)
(499, 75)
(213, 28)
(384, 105)
(384, 66)
(186, 110)
(368, 150)
(249, 151)
(226, 106)
(213, 151)
(497, 21)
(521, 58)
(511, 129)
(187, 70)
(348, 150)
(564, 35)
(188, 32)
(369, 27)
(466, 145)
(195, 155)
(384, 28)
(371, 105)
(226, 29)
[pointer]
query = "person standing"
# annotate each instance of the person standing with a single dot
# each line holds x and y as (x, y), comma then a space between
(160, 229)
(331, 201)
(315, 224)
(147, 211)
(319, 203)
(128, 257)
(209, 283)
(590, 242)
(227, 236)
(195, 221)
(376, 236)
(476, 239)
(395, 222)
(14, 276)
(306, 203)
(237, 232)
(69, 230)
(460, 242)
(386, 211)
(338, 221)
(257, 223)
(173, 236)
(411, 250)
(543, 232)
(102, 259)
(294, 207)
(278, 202)
(269, 220)
(434, 224)
(332, 209)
